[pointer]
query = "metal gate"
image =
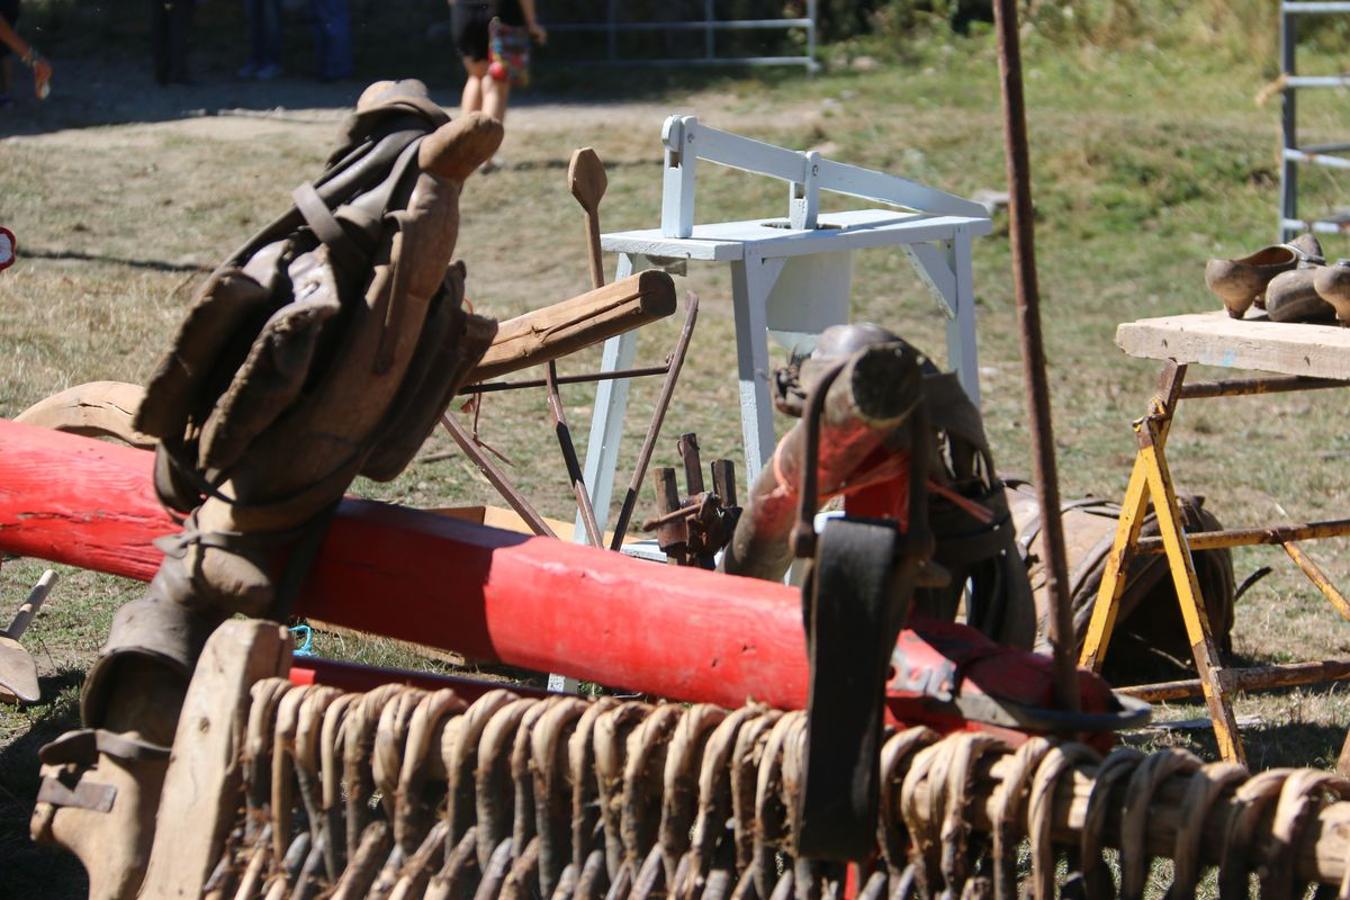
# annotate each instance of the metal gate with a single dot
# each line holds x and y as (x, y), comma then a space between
(713, 52)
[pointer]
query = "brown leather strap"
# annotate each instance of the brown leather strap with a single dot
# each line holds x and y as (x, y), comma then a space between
(82, 748)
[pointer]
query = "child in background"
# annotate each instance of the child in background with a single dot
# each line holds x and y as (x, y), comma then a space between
(492, 40)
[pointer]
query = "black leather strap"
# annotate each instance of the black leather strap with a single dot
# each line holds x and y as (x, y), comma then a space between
(852, 619)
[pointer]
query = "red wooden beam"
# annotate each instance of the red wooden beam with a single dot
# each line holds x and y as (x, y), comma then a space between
(538, 603)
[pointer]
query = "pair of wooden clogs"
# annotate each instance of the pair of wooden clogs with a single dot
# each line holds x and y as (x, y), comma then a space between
(1291, 282)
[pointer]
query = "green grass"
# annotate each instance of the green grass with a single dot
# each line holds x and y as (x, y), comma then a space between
(1148, 160)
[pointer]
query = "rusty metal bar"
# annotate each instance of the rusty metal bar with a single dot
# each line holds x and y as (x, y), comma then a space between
(1318, 578)
(1250, 537)
(1244, 387)
(684, 512)
(1022, 232)
(569, 452)
(673, 533)
(687, 447)
(492, 387)
(1255, 678)
(658, 418)
(497, 478)
(724, 481)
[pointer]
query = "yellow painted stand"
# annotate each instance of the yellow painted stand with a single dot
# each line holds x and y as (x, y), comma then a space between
(1151, 480)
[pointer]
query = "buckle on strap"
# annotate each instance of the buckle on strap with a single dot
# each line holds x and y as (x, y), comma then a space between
(85, 795)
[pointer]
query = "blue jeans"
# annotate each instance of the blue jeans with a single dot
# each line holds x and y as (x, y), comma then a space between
(264, 31)
(333, 38)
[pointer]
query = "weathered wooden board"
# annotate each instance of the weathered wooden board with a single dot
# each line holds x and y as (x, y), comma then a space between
(571, 325)
(201, 789)
(1215, 339)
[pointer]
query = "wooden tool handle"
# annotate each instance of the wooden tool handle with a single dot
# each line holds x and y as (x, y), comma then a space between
(583, 321)
(31, 606)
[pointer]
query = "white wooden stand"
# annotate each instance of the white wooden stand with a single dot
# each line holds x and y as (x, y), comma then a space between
(790, 277)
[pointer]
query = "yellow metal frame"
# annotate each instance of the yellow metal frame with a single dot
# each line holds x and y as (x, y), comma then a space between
(1151, 480)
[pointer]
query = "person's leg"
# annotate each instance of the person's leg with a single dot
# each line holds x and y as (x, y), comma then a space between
(253, 16)
(475, 71)
(269, 37)
(495, 96)
(332, 21)
(9, 11)
(180, 27)
(159, 41)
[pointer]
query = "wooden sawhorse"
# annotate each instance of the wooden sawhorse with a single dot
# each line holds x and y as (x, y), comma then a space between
(1305, 355)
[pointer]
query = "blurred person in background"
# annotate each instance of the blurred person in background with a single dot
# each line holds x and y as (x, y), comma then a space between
(170, 22)
(332, 38)
(264, 40)
(11, 46)
(493, 39)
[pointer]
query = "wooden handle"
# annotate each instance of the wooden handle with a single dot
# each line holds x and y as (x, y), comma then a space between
(588, 181)
(583, 321)
(30, 607)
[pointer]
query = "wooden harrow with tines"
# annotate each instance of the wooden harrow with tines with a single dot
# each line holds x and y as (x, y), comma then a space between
(403, 792)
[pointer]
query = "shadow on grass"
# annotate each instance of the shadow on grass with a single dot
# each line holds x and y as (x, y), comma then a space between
(1268, 746)
(31, 870)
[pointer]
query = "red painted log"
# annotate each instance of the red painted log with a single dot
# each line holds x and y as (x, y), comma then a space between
(490, 594)
(543, 604)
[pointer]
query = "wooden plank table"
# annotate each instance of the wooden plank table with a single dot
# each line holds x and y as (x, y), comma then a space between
(1304, 357)
(1215, 339)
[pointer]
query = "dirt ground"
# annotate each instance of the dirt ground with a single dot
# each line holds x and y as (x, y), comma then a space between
(123, 195)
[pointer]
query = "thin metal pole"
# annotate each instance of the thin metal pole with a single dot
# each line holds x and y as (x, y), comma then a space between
(811, 37)
(1288, 123)
(658, 417)
(491, 387)
(709, 47)
(1022, 231)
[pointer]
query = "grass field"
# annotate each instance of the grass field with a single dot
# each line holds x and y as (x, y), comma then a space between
(1147, 161)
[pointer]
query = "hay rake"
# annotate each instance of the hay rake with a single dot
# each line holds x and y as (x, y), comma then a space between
(402, 792)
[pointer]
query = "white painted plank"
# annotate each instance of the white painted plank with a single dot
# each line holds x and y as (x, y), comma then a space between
(856, 230)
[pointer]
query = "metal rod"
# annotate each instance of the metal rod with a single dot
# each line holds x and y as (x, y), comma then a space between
(1288, 125)
(1256, 678)
(494, 386)
(724, 481)
(687, 447)
(658, 418)
(673, 533)
(694, 25)
(1318, 577)
(709, 44)
(1240, 387)
(497, 478)
(684, 512)
(1022, 231)
(569, 452)
(1250, 537)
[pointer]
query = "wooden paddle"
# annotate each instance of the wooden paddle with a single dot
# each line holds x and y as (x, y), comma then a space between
(586, 176)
